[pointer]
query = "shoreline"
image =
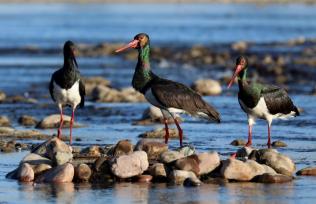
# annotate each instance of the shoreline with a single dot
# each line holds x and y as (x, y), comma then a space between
(258, 2)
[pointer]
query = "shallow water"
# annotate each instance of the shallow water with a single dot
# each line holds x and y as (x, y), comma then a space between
(49, 25)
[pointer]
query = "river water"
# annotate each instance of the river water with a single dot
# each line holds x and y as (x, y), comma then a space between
(49, 25)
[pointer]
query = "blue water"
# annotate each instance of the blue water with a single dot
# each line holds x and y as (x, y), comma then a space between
(52, 24)
(48, 25)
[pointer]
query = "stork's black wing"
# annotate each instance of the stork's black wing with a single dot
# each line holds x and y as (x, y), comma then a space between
(278, 100)
(176, 95)
(51, 87)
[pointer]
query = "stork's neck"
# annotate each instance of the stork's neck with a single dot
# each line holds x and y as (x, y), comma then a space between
(242, 79)
(142, 74)
(69, 63)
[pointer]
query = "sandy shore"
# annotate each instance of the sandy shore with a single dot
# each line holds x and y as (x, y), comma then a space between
(162, 1)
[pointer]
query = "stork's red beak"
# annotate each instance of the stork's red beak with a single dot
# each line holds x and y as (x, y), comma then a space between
(132, 44)
(237, 70)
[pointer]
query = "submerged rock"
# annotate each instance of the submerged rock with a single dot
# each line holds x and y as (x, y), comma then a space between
(243, 171)
(208, 161)
(2, 96)
(272, 178)
(308, 171)
(179, 176)
(238, 142)
(280, 163)
(279, 143)
(207, 87)
(53, 121)
(152, 148)
(127, 166)
(160, 133)
(4, 121)
(27, 120)
(59, 174)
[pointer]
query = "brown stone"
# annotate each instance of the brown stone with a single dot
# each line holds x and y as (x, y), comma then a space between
(83, 173)
(272, 178)
(60, 174)
(27, 120)
(153, 148)
(25, 173)
(279, 143)
(123, 147)
(4, 121)
(308, 171)
(190, 163)
(144, 178)
(238, 142)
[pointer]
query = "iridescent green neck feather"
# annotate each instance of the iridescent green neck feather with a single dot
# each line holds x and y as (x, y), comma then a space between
(142, 74)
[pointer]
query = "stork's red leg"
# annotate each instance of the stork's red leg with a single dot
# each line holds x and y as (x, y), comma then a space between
(60, 123)
(269, 136)
(180, 131)
(167, 130)
(71, 124)
(249, 143)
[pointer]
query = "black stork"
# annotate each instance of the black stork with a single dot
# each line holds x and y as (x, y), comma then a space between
(170, 96)
(261, 101)
(66, 87)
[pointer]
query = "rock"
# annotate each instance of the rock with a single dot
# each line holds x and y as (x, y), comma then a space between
(127, 166)
(208, 161)
(56, 150)
(102, 171)
(123, 147)
(279, 144)
(190, 182)
(160, 133)
(2, 96)
(83, 172)
(153, 115)
(52, 121)
(21, 99)
(152, 148)
(92, 151)
(40, 168)
(279, 162)
(190, 163)
(207, 87)
(240, 46)
(187, 150)
(6, 131)
(216, 180)
(144, 178)
(35, 159)
(27, 120)
(238, 142)
(158, 171)
(170, 156)
(59, 174)
(272, 178)
(179, 176)
(130, 95)
(4, 121)
(91, 82)
(244, 152)
(25, 173)
(243, 171)
(308, 171)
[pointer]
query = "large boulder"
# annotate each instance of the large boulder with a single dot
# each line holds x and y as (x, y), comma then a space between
(243, 171)
(127, 166)
(208, 161)
(170, 156)
(158, 171)
(59, 174)
(82, 173)
(190, 163)
(35, 159)
(207, 87)
(153, 148)
(25, 173)
(178, 177)
(56, 150)
(280, 163)
(53, 121)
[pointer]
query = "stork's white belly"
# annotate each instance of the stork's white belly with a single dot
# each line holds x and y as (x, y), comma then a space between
(67, 96)
(261, 111)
